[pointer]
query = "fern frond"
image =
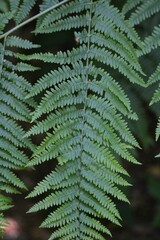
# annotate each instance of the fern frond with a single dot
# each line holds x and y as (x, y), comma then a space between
(158, 130)
(14, 41)
(14, 4)
(151, 42)
(116, 62)
(129, 5)
(103, 41)
(54, 77)
(58, 14)
(155, 77)
(66, 24)
(155, 97)
(47, 3)
(75, 55)
(4, 19)
(24, 67)
(84, 110)
(144, 11)
(24, 10)
(111, 14)
(13, 109)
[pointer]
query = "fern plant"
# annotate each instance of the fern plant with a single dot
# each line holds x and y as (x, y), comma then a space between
(83, 110)
(14, 109)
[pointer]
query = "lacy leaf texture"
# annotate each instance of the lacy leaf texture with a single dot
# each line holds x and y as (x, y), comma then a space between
(14, 110)
(83, 110)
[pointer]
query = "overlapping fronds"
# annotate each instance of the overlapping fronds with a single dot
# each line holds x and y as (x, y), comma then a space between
(84, 111)
(150, 43)
(143, 9)
(13, 110)
(19, 9)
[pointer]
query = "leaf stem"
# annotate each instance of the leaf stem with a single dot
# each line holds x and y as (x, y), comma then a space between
(32, 19)
(86, 82)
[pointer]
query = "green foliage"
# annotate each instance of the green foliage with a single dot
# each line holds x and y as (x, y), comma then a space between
(13, 109)
(83, 110)
(24, 9)
(151, 43)
(145, 10)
